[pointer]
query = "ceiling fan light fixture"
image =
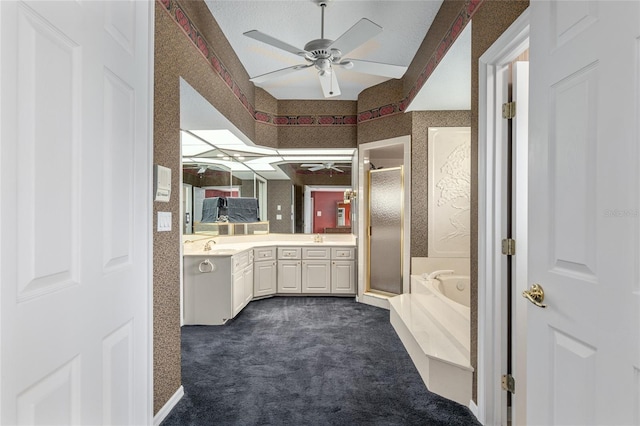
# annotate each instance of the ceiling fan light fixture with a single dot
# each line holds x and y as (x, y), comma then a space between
(323, 65)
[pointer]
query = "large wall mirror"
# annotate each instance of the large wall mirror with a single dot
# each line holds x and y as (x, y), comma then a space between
(219, 161)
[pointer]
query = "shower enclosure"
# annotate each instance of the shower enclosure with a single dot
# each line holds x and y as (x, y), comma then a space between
(386, 213)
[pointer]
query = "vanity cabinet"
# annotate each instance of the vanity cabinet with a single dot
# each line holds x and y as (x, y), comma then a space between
(242, 279)
(316, 270)
(343, 270)
(265, 269)
(289, 270)
(208, 293)
(217, 288)
(343, 277)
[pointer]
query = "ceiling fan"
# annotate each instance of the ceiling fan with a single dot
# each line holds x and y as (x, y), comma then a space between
(203, 168)
(325, 54)
(314, 167)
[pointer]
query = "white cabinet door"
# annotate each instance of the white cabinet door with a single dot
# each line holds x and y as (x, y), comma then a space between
(248, 284)
(289, 276)
(316, 276)
(343, 277)
(264, 278)
(238, 292)
(207, 290)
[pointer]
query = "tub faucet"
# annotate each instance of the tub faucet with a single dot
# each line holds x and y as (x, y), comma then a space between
(207, 246)
(433, 275)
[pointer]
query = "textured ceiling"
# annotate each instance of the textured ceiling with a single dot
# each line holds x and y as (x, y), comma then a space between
(404, 23)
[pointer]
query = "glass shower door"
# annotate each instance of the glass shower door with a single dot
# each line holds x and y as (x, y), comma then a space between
(386, 210)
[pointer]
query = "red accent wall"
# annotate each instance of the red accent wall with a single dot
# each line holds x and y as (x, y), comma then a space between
(210, 193)
(327, 203)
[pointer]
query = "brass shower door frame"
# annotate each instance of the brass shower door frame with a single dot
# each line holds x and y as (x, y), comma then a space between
(368, 288)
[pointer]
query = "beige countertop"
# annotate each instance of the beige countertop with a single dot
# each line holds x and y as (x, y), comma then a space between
(230, 245)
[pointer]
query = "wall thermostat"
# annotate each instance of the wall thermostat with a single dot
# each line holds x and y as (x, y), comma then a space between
(161, 183)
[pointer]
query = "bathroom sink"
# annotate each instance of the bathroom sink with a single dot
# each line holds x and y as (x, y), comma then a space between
(222, 252)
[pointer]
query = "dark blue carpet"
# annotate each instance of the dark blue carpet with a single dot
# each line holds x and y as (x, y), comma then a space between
(305, 361)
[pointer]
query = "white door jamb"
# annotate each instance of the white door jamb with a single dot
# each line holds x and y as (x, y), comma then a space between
(491, 400)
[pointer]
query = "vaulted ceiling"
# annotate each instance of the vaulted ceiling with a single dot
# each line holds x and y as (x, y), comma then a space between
(296, 22)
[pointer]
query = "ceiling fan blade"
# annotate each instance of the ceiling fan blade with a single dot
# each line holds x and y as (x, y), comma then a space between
(316, 168)
(377, 68)
(329, 84)
(310, 165)
(361, 32)
(336, 169)
(274, 74)
(257, 35)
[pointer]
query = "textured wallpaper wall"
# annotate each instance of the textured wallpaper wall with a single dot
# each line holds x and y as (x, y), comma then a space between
(279, 194)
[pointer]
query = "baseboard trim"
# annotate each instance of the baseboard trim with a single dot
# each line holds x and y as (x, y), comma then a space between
(166, 409)
(474, 409)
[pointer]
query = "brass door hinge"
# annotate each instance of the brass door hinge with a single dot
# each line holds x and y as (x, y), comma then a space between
(508, 383)
(509, 110)
(508, 246)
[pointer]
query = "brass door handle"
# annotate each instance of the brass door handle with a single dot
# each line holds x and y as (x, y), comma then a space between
(535, 295)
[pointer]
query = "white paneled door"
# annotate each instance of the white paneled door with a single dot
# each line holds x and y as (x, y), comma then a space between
(75, 212)
(583, 364)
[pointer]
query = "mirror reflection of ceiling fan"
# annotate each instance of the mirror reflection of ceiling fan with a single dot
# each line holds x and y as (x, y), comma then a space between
(314, 167)
(325, 54)
(202, 168)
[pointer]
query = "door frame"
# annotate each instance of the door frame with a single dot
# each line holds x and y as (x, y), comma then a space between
(363, 205)
(492, 308)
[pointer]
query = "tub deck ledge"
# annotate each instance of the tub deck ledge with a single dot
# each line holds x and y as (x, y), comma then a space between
(439, 353)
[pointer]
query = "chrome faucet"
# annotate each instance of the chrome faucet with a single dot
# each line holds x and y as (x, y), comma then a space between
(207, 246)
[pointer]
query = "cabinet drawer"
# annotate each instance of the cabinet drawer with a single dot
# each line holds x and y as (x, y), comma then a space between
(347, 253)
(288, 252)
(264, 253)
(240, 261)
(316, 253)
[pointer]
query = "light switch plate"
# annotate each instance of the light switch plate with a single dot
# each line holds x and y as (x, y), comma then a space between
(319, 213)
(164, 221)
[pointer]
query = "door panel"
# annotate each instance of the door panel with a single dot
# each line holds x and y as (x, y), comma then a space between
(47, 68)
(583, 217)
(386, 204)
(289, 276)
(75, 232)
(316, 276)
